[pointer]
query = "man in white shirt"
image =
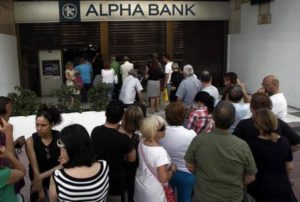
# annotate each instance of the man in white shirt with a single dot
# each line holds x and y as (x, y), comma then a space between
(126, 67)
(270, 85)
(130, 87)
(168, 71)
(206, 80)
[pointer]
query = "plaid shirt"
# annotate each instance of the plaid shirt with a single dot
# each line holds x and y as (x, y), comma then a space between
(199, 120)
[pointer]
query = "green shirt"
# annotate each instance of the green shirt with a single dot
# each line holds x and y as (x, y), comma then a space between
(115, 66)
(221, 160)
(7, 192)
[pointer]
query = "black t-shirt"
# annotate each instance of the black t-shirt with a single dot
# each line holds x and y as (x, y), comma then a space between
(46, 156)
(246, 130)
(272, 181)
(111, 145)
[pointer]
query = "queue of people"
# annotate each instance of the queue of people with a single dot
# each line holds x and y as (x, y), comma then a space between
(205, 149)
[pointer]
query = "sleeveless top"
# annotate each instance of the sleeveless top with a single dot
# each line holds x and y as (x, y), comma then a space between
(46, 156)
(93, 189)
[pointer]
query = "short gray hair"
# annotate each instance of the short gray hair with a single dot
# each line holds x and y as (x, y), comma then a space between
(188, 70)
(133, 73)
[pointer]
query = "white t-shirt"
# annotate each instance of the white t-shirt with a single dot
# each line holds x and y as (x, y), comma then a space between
(213, 91)
(130, 87)
(168, 70)
(279, 105)
(242, 111)
(176, 142)
(107, 75)
(147, 187)
(125, 68)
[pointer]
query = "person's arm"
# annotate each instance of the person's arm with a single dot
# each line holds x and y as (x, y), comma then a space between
(190, 167)
(37, 182)
(131, 156)
(295, 147)
(7, 129)
(164, 173)
(52, 191)
(141, 96)
(246, 97)
(248, 179)
(289, 166)
(18, 172)
(48, 173)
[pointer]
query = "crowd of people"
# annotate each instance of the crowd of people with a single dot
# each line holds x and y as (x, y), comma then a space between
(205, 148)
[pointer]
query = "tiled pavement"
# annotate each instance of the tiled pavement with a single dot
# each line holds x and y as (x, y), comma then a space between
(294, 118)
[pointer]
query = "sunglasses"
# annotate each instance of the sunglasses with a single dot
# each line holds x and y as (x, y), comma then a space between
(60, 143)
(162, 128)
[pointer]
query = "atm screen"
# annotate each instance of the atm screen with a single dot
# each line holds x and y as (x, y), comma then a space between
(51, 67)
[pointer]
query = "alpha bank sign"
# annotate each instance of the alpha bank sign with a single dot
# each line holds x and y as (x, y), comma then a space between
(68, 11)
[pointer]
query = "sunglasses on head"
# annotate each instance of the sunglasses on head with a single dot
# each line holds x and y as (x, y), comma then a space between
(162, 128)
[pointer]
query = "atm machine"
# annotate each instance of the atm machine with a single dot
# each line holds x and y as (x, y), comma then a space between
(51, 75)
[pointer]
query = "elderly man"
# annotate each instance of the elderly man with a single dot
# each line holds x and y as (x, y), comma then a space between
(242, 109)
(188, 87)
(223, 163)
(206, 80)
(126, 67)
(270, 86)
(130, 87)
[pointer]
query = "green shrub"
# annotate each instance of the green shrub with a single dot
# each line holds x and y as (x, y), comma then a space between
(98, 98)
(67, 101)
(25, 102)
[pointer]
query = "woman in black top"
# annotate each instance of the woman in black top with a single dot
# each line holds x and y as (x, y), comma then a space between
(132, 121)
(176, 78)
(43, 152)
(273, 157)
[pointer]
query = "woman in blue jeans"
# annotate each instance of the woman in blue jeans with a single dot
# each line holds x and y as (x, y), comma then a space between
(176, 142)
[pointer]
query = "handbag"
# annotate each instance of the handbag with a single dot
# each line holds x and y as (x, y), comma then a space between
(169, 193)
(165, 95)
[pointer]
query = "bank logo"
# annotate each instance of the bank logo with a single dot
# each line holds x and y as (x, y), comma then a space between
(69, 11)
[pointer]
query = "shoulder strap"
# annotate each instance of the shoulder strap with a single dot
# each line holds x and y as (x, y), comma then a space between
(144, 159)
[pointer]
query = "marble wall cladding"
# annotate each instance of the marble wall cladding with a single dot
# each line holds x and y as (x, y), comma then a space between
(7, 22)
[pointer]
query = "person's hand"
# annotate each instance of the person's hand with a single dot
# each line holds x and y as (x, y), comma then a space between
(37, 184)
(261, 90)
(6, 127)
(41, 196)
(173, 167)
(62, 160)
(241, 84)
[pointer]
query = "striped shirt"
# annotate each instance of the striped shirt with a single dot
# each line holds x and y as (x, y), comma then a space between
(93, 189)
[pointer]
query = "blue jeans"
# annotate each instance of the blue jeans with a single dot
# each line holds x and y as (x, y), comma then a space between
(183, 184)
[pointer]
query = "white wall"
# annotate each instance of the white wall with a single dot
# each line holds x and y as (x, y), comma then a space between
(268, 49)
(9, 66)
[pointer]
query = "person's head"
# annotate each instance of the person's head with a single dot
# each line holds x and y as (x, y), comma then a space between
(166, 57)
(113, 58)
(188, 70)
(114, 111)
(82, 60)
(270, 84)
(266, 122)
(69, 65)
(259, 101)
(132, 119)
(46, 119)
(75, 147)
(203, 98)
(106, 64)
(153, 127)
(230, 78)
(5, 107)
(126, 58)
(224, 115)
(175, 114)
(133, 72)
(175, 66)
(206, 77)
(235, 93)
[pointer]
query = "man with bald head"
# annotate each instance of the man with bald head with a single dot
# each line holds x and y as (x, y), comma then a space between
(270, 86)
